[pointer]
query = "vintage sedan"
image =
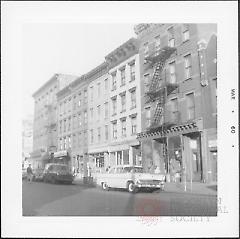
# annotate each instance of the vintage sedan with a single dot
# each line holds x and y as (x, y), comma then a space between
(55, 172)
(131, 178)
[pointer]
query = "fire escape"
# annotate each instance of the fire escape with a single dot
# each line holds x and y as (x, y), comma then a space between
(158, 89)
(50, 126)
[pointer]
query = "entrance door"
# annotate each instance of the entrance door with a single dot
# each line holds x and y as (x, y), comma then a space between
(196, 167)
(213, 158)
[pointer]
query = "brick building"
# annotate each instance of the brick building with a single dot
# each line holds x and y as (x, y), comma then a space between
(72, 133)
(45, 119)
(124, 104)
(178, 99)
(98, 116)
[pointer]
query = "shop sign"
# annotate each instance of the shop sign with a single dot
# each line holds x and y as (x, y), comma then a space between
(193, 144)
(212, 143)
(60, 153)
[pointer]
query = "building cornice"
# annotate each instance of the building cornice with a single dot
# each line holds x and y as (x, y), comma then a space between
(123, 52)
(97, 72)
(49, 82)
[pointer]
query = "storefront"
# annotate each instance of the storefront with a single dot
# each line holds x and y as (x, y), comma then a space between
(176, 152)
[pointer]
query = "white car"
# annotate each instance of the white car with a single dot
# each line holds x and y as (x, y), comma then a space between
(131, 178)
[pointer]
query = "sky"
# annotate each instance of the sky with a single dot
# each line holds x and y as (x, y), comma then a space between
(68, 48)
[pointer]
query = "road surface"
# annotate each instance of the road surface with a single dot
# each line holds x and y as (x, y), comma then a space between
(45, 199)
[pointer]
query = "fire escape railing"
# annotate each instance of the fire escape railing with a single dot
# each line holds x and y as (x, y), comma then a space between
(158, 93)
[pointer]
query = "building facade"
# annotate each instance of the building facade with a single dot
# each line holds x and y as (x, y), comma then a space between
(178, 98)
(124, 105)
(45, 119)
(72, 128)
(27, 140)
(98, 117)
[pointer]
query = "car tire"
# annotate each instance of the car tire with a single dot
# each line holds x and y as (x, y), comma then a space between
(44, 179)
(105, 186)
(131, 187)
(53, 180)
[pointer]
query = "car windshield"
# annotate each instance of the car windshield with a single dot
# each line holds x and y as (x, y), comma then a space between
(133, 170)
(61, 167)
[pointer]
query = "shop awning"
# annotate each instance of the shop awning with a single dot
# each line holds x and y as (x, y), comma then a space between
(175, 130)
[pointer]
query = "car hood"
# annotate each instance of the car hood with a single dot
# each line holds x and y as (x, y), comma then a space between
(149, 176)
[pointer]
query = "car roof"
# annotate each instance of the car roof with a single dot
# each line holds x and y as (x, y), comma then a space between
(127, 166)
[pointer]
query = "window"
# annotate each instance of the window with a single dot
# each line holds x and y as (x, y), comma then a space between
(91, 113)
(99, 89)
(79, 120)
(157, 43)
(146, 82)
(174, 110)
(91, 93)
(190, 106)
(171, 40)
(91, 135)
(114, 81)
(65, 143)
(79, 99)
(85, 96)
(74, 141)
(69, 105)
(106, 132)
(79, 138)
(148, 116)
(99, 134)
(106, 110)
(60, 144)
(106, 84)
(132, 72)
(60, 109)
(133, 98)
(74, 121)
(188, 66)
(99, 112)
(69, 123)
(114, 105)
(64, 108)
(123, 102)
(114, 125)
(123, 124)
(64, 125)
(85, 117)
(60, 126)
(119, 159)
(146, 49)
(172, 70)
(186, 34)
(123, 77)
(74, 102)
(69, 141)
(134, 124)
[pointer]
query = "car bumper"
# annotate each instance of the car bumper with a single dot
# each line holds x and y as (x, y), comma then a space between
(157, 186)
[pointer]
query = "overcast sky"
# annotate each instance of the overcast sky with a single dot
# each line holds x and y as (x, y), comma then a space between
(70, 48)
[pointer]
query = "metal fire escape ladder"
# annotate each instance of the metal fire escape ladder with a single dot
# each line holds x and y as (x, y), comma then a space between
(154, 93)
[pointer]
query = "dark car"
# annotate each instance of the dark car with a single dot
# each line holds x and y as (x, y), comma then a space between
(54, 173)
(38, 174)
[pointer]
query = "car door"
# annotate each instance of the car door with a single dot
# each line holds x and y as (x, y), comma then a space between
(110, 177)
(118, 179)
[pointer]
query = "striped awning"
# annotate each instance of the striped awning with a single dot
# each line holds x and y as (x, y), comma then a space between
(183, 129)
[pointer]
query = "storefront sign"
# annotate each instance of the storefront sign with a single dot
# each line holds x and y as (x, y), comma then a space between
(193, 144)
(60, 153)
(212, 143)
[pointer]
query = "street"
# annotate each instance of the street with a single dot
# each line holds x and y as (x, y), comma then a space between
(45, 199)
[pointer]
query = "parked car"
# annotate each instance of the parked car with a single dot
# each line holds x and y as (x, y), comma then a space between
(38, 174)
(131, 178)
(54, 173)
(24, 173)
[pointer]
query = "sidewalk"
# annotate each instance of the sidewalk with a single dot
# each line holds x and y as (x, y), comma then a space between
(195, 188)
